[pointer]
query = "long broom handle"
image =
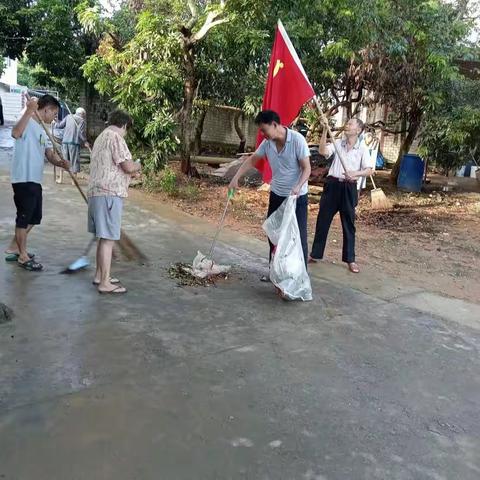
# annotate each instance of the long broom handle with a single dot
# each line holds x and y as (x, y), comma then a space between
(327, 126)
(72, 176)
(371, 178)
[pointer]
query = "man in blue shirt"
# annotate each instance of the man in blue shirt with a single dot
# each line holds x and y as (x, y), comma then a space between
(31, 146)
(289, 158)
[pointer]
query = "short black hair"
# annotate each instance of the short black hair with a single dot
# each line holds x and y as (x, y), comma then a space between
(267, 117)
(119, 118)
(48, 101)
(360, 124)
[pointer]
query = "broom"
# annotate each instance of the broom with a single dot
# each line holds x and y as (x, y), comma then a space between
(128, 248)
(378, 198)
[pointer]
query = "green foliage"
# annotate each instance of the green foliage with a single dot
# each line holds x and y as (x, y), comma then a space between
(14, 27)
(25, 74)
(144, 78)
(451, 133)
(56, 41)
(168, 181)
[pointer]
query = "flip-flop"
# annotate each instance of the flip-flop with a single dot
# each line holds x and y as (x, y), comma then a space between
(13, 257)
(313, 260)
(31, 266)
(113, 281)
(115, 291)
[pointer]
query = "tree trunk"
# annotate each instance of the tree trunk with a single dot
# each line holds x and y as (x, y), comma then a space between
(189, 91)
(413, 127)
(197, 141)
(240, 133)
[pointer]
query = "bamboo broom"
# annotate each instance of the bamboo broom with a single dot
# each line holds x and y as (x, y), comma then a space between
(378, 198)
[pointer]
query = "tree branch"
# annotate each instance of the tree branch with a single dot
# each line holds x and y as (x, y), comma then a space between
(381, 125)
(210, 22)
(193, 8)
(194, 11)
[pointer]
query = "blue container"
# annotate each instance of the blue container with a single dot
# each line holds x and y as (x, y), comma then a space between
(410, 177)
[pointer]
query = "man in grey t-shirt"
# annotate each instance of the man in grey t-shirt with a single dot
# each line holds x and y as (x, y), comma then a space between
(289, 159)
(31, 147)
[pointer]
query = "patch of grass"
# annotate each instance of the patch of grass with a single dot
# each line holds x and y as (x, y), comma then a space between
(166, 181)
(190, 192)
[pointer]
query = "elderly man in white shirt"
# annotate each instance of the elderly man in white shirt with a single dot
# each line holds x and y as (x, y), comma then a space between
(340, 191)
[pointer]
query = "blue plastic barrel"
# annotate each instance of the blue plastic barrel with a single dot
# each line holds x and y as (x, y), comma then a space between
(410, 177)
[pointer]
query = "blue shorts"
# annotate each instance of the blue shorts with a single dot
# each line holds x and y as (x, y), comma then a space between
(105, 216)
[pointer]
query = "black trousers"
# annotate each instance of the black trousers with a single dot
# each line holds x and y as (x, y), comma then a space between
(337, 197)
(1, 115)
(302, 215)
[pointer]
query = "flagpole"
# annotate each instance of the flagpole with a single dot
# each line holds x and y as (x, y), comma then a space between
(325, 121)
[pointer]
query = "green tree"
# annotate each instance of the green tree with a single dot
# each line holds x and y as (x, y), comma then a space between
(450, 134)
(14, 27)
(155, 74)
(412, 59)
(185, 54)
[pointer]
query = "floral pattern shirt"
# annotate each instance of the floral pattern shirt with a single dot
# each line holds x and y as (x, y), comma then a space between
(106, 175)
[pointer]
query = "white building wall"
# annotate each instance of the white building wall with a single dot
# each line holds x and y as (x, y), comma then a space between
(9, 75)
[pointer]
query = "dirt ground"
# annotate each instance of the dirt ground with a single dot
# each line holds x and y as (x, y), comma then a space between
(431, 238)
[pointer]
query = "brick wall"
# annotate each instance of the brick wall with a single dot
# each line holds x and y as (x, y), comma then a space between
(219, 127)
(97, 109)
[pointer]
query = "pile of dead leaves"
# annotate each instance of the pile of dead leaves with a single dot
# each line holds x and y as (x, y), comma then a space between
(400, 220)
(181, 272)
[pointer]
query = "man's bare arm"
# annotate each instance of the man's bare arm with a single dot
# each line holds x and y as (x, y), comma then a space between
(54, 159)
(306, 168)
(249, 163)
(130, 167)
(21, 125)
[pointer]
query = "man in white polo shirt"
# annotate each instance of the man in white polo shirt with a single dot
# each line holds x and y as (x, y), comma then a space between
(289, 158)
(340, 190)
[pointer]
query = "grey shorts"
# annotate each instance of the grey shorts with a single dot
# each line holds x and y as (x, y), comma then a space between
(105, 217)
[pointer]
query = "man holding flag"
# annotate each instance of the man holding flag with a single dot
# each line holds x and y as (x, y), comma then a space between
(282, 154)
(289, 161)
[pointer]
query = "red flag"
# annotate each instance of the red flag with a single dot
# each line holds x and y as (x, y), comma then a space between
(287, 89)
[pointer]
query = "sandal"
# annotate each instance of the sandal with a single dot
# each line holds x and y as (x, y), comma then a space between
(353, 267)
(31, 266)
(113, 281)
(313, 260)
(115, 291)
(13, 257)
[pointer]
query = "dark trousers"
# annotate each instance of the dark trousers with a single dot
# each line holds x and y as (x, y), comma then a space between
(337, 197)
(302, 215)
(1, 115)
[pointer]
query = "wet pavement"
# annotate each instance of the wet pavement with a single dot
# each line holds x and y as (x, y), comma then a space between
(225, 382)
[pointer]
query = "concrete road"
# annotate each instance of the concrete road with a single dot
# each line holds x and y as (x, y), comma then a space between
(222, 383)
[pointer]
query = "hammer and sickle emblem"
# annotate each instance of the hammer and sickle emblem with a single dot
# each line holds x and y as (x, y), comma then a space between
(277, 68)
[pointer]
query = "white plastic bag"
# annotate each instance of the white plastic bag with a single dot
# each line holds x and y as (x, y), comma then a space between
(204, 267)
(287, 269)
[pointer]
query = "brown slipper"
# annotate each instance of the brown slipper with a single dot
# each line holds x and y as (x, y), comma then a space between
(353, 267)
(115, 291)
(313, 260)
